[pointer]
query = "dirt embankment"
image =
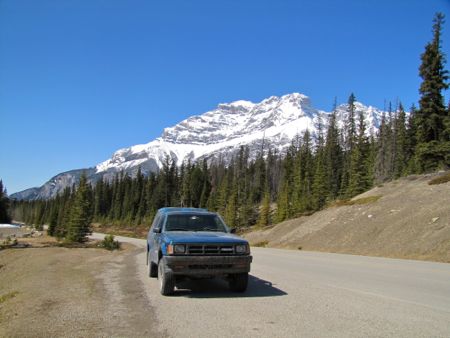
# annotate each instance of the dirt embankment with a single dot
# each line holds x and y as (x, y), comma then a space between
(72, 292)
(407, 218)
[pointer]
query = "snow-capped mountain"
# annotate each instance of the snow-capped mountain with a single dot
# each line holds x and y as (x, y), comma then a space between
(218, 133)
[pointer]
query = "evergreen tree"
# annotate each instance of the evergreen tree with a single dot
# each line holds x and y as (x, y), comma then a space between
(231, 208)
(4, 205)
(320, 188)
(264, 213)
(196, 186)
(400, 143)
(63, 213)
(285, 207)
(303, 177)
(433, 135)
(358, 177)
(411, 142)
(349, 143)
(384, 154)
(333, 157)
(206, 187)
(53, 222)
(79, 224)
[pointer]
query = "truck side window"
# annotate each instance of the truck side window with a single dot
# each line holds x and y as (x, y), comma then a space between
(156, 220)
(160, 222)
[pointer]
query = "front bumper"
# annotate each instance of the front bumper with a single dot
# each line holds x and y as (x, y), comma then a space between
(207, 265)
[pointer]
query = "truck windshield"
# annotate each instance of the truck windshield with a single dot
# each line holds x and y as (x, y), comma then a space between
(194, 222)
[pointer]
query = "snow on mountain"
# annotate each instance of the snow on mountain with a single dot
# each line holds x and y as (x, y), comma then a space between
(218, 133)
(276, 119)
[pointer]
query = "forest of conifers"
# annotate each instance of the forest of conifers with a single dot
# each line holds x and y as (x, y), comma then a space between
(334, 163)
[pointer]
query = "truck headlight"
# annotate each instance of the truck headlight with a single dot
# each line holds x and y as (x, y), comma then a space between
(242, 248)
(179, 248)
(173, 249)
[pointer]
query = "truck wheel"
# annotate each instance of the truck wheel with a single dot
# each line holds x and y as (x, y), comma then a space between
(238, 282)
(152, 269)
(166, 280)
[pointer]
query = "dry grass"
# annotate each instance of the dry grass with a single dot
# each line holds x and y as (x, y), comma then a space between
(136, 232)
(7, 296)
(440, 179)
(358, 201)
(262, 244)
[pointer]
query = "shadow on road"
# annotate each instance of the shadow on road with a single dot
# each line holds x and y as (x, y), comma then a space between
(218, 288)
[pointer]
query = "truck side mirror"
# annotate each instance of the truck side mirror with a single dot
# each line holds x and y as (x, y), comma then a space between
(157, 230)
(233, 231)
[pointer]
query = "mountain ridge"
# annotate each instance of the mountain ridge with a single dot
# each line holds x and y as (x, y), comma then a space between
(216, 134)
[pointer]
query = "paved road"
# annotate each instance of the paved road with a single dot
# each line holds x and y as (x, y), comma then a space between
(309, 294)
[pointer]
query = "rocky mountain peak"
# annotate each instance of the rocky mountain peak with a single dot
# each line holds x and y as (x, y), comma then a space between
(216, 134)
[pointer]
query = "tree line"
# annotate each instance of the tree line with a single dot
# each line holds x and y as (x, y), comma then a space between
(336, 162)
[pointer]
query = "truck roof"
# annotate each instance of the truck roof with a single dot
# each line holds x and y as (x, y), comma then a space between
(176, 209)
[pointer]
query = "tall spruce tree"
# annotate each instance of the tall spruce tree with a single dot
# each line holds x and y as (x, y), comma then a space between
(349, 143)
(333, 157)
(358, 177)
(400, 143)
(264, 212)
(80, 217)
(433, 135)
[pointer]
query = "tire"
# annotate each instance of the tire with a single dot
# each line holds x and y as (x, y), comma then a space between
(238, 282)
(152, 269)
(166, 280)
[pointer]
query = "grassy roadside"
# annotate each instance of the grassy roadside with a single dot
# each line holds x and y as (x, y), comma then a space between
(135, 232)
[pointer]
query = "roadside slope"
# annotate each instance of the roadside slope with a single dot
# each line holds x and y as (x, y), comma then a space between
(410, 219)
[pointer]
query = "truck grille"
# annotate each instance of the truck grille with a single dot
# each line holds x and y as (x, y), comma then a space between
(208, 249)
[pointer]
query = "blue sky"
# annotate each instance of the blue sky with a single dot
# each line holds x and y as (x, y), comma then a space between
(81, 79)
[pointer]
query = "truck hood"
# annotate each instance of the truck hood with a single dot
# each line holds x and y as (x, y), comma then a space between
(202, 237)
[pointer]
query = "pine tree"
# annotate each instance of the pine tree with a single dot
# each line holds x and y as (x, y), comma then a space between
(206, 188)
(349, 143)
(53, 222)
(383, 159)
(4, 205)
(319, 187)
(231, 208)
(433, 136)
(264, 213)
(63, 213)
(400, 143)
(411, 142)
(79, 224)
(283, 203)
(285, 207)
(333, 157)
(196, 186)
(358, 179)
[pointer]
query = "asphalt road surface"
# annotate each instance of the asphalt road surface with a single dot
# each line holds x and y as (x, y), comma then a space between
(308, 294)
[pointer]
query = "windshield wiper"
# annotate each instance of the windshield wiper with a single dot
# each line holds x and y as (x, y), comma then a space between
(209, 229)
(177, 229)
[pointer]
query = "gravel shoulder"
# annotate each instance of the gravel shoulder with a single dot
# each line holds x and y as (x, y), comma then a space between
(76, 292)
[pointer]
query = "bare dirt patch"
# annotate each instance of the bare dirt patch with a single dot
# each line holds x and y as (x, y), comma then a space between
(407, 218)
(73, 292)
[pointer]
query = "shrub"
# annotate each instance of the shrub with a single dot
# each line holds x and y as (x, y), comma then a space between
(358, 201)
(262, 244)
(7, 296)
(8, 243)
(109, 243)
(440, 179)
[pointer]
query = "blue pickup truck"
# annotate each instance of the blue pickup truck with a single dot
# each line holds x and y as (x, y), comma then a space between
(195, 243)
